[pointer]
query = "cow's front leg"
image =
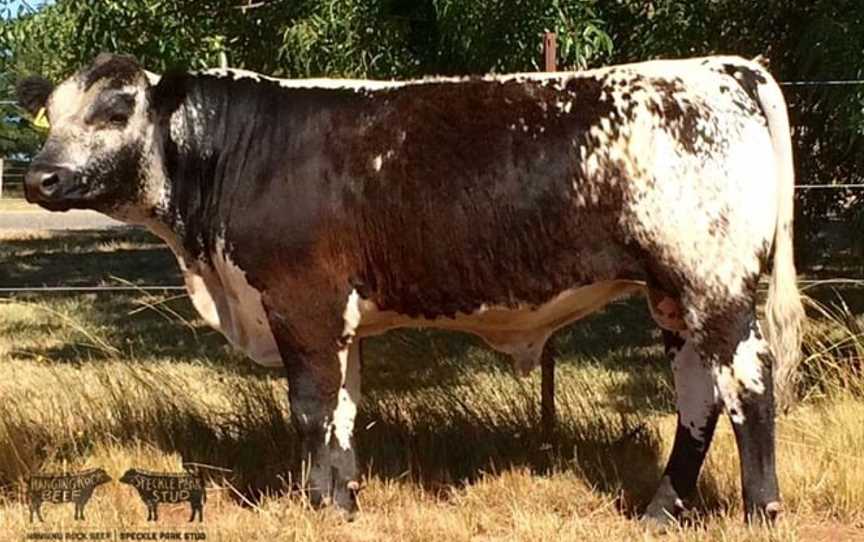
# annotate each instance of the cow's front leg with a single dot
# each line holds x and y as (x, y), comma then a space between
(323, 415)
(324, 390)
(698, 410)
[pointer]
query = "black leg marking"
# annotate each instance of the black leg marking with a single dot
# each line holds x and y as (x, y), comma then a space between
(547, 393)
(742, 365)
(310, 412)
(756, 447)
(697, 418)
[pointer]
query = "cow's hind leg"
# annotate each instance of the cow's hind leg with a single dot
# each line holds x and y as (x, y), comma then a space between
(697, 417)
(741, 362)
(747, 390)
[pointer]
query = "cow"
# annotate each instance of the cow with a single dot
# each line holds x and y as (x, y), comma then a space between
(307, 215)
(168, 487)
(75, 487)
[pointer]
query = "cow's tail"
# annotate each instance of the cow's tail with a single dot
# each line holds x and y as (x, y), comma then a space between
(784, 312)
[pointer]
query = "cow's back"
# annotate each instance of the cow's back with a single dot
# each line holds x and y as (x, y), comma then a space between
(443, 196)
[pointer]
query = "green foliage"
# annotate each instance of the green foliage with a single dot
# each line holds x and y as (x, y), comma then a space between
(363, 38)
(353, 38)
(455, 36)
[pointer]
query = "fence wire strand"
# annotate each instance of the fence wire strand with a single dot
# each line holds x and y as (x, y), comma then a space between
(804, 284)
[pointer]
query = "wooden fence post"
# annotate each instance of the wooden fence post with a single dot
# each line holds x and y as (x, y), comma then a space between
(547, 360)
(550, 48)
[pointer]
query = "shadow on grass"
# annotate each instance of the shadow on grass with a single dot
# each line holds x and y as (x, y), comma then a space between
(445, 444)
(137, 327)
(440, 409)
(87, 258)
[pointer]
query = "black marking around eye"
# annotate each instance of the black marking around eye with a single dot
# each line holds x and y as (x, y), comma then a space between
(113, 108)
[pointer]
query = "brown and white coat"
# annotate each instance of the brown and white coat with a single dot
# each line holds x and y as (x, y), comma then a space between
(307, 215)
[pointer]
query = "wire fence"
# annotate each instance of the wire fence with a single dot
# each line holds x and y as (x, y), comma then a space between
(17, 173)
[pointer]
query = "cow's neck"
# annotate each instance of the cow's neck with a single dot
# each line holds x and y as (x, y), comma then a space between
(234, 137)
(193, 153)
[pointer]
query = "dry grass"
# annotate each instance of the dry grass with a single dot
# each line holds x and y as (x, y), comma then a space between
(447, 436)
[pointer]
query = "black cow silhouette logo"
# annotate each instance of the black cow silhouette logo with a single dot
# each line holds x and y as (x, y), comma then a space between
(168, 487)
(74, 487)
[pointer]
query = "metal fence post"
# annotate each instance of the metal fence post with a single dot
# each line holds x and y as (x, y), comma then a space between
(547, 360)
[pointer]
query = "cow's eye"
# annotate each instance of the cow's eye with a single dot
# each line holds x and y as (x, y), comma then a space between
(112, 111)
(118, 119)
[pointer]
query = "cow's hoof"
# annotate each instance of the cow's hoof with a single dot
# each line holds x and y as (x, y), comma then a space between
(767, 513)
(659, 521)
(773, 510)
(347, 515)
(665, 507)
(345, 500)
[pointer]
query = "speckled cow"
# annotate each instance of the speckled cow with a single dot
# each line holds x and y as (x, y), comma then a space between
(306, 215)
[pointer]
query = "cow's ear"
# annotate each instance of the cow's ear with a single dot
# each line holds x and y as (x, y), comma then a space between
(168, 93)
(33, 93)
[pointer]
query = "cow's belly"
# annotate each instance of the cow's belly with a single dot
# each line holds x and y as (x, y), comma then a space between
(228, 303)
(520, 332)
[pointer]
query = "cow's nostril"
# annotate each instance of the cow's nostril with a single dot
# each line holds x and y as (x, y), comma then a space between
(50, 180)
(44, 182)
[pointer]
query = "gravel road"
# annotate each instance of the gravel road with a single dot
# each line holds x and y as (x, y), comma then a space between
(43, 220)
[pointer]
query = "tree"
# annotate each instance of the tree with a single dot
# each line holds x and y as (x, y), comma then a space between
(302, 38)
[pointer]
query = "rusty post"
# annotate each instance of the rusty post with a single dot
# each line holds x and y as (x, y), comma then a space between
(547, 360)
(550, 49)
(547, 393)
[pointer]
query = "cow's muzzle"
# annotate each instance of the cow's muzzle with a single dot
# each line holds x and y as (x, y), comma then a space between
(48, 185)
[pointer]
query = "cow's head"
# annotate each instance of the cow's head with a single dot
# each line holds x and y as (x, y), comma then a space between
(128, 476)
(102, 477)
(100, 149)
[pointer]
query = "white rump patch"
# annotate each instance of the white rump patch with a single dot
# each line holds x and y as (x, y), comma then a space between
(694, 388)
(747, 365)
